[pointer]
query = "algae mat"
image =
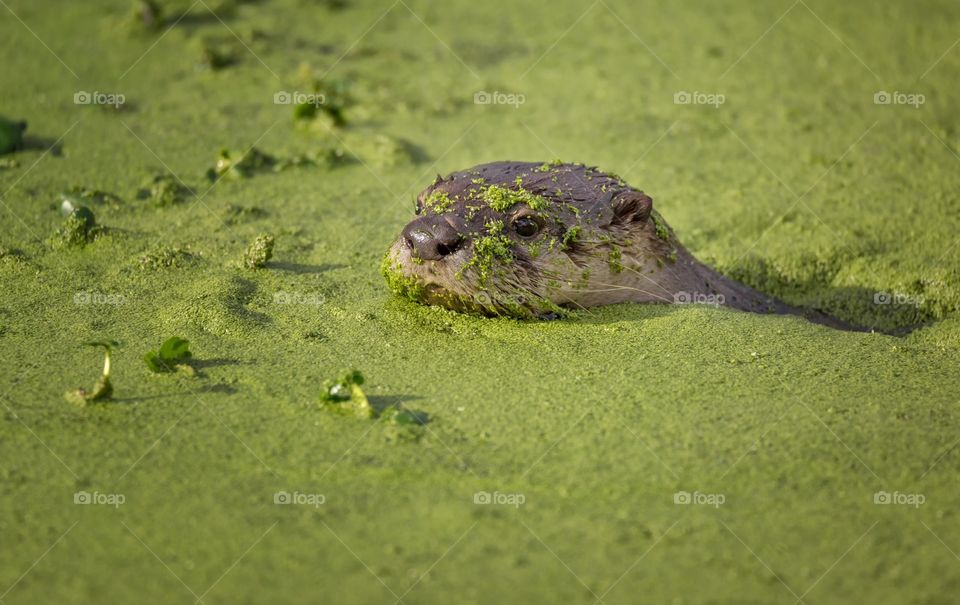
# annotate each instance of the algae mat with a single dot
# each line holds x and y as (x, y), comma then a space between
(680, 454)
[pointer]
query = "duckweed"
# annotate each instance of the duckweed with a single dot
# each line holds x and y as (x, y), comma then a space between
(572, 236)
(663, 232)
(488, 251)
(439, 201)
(546, 166)
(243, 165)
(165, 257)
(259, 252)
(406, 286)
(78, 229)
(164, 190)
(615, 259)
(76, 197)
(502, 199)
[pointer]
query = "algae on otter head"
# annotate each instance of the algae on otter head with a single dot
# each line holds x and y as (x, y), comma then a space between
(438, 201)
(502, 199)
(488, 250)
(407, 287)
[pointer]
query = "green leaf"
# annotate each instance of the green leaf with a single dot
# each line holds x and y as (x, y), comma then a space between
(154, 364)
(175, 349)
(173, 352)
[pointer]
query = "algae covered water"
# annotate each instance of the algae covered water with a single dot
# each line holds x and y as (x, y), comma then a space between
(206, 191)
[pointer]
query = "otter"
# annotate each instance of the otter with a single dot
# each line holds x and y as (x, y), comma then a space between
(533, 240)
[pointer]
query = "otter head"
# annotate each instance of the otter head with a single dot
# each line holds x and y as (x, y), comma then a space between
(525, 240)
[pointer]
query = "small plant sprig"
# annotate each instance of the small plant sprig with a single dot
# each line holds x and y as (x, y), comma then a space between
(103, 389)
(344, 395)
(174, 354)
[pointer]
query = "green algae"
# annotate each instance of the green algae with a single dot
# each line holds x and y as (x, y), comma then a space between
(599, 420)
(548, 166)
(241, 165)
(438, 201)
(259, 252)
(660, 226)
(12, 255)
(572, 236)
(489, 251)
(165, 257)
(78, 229)
(383, 150)
(77, 196)
(502, 199)
(615, 259)
(406, 286)
(164, 189)
(246, 164)
(235, 214)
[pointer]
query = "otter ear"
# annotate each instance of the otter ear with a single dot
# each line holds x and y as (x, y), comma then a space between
(632, 207)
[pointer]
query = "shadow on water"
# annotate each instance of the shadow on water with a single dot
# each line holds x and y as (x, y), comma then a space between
(862, 309)
(303, 269)
(34, 143)
(202, 364)
(850, 309)
(219, 389)
(382, 403)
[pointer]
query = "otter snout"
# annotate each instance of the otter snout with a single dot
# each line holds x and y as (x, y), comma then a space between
(433, 237)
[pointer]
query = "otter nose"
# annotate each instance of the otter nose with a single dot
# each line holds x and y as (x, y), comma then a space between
(432, 237)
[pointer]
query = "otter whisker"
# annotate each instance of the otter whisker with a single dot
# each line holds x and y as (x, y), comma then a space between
(614, 287)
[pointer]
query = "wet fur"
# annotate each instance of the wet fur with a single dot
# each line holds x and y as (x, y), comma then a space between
(611, 214)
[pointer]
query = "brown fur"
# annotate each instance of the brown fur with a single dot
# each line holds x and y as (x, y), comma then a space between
(456, 218)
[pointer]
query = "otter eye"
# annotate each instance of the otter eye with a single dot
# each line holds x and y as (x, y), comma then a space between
(526, 226)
